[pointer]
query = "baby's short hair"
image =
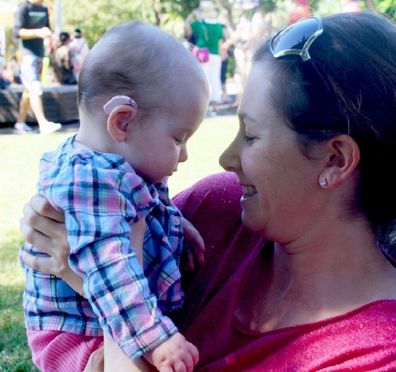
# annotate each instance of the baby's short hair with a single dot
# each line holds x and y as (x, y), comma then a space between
(133, 59)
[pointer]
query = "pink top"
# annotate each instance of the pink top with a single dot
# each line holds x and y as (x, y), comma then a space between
(360, 340)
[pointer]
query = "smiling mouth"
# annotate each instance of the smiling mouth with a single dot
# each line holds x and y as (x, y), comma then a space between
(248, 191)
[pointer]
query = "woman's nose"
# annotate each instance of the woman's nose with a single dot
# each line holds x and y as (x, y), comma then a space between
(229, 159)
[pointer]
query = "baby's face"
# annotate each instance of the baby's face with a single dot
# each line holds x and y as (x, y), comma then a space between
(158, 145)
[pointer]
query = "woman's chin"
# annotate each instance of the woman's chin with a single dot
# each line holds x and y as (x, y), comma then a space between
(251, 222)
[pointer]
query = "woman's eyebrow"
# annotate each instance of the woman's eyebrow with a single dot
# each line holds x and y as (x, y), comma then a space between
(243, 117)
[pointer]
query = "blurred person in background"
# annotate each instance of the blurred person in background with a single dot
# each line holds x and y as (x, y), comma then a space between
(79, 49)
(62, 61)
(32, 27)
(204, 26)
(300, 9)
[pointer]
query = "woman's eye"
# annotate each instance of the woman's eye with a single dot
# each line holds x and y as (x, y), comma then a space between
(178, 141)
(248, 139)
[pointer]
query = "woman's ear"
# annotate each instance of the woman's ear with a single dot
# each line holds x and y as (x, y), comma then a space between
(118, 121)
(343, 156)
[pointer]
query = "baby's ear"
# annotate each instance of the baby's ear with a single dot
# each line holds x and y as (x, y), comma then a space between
(118, 121)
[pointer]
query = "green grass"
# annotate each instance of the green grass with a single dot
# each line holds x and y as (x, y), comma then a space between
(19, 172)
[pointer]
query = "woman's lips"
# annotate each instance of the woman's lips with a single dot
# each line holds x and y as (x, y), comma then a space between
(248, 191)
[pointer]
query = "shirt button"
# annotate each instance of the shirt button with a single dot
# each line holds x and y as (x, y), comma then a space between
(177, 221)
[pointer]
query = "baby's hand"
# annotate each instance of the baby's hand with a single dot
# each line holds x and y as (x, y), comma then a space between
(194, 246)
(174, 355)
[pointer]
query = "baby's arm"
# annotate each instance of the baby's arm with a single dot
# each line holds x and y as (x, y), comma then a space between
(115, 286)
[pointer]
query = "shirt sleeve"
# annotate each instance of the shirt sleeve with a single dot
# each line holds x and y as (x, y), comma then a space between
(98, 213)
(20, 20)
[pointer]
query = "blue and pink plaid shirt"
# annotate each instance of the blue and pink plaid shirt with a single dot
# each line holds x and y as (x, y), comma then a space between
(101, 197)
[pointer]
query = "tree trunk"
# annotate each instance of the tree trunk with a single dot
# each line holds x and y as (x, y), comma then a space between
(157, 7)
(370, 4)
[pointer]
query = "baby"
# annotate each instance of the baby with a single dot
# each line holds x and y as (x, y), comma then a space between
(141, 97)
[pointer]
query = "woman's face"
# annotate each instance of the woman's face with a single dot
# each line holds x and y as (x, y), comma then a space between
(278, 181)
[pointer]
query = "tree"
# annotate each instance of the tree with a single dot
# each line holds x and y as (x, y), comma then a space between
(387, 7)
(96, 17)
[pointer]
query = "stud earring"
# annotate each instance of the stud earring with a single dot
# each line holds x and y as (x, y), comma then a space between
(323, 182)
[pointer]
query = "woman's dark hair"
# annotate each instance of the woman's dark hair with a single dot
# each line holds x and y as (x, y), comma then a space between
(63, 37)
(356, 57)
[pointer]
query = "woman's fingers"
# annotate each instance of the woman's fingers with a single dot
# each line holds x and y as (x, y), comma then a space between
(33, 220)
(200, 254)
(43, 264)
(35, 237)
(41, 206)
(190, 259)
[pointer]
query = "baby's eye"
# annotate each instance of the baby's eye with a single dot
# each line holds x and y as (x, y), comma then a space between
(178, 141)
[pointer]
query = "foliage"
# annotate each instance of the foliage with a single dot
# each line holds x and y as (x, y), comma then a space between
(179, 8)
(267, 5)
(95, 17)
(387, 7)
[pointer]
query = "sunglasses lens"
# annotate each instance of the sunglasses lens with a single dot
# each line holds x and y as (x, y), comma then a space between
(295, 36)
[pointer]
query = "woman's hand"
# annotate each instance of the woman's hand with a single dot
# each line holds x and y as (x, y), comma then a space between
(43, 226)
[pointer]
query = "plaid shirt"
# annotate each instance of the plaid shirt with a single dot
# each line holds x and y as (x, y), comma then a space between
(101, 197)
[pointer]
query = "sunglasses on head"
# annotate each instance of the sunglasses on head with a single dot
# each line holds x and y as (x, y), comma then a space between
(297, 38)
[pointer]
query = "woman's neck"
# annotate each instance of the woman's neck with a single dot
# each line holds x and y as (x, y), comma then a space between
(342, 266)
(304, 283)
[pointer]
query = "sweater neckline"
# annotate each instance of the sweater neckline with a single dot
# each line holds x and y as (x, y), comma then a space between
(237, 325)
(240, 328)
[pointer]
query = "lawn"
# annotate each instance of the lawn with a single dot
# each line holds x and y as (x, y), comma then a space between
(19, 171)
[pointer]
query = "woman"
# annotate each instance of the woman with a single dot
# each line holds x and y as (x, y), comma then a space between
(203, 25)
(310, 284)
(62, 63)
